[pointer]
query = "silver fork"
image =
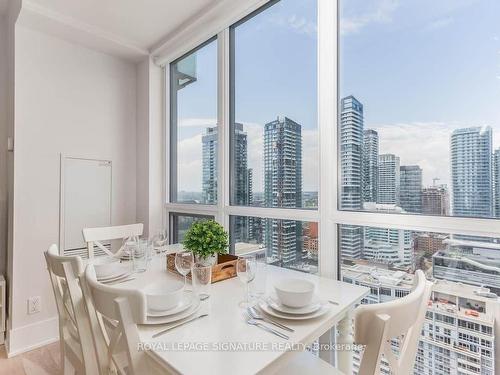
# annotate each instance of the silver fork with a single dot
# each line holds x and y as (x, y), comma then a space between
(254, 314)
(254, 322)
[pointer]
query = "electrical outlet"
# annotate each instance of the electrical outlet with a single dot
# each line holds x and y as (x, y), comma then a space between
(34, 304)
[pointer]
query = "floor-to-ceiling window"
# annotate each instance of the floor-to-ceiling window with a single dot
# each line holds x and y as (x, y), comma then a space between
(256, 170)
(401, 174)
(419, 151)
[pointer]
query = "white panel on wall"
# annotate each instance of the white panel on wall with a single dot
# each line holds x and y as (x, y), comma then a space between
(85, 200)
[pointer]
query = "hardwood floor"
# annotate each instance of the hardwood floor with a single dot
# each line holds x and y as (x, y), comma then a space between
(43, 361)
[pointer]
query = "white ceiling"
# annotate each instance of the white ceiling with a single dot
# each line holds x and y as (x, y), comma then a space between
(143, 23)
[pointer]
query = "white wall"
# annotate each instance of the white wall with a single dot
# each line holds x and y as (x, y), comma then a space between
(3, 143)
(71, 100)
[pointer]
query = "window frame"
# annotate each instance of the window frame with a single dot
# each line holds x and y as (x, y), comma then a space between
(327, 215)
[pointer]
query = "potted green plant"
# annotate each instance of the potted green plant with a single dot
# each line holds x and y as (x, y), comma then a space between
(206, 239)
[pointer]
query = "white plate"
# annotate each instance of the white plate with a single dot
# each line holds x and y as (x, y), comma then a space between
(268, 310)
(314, 306)
(195, 306)
(118, 275)
(184, 304)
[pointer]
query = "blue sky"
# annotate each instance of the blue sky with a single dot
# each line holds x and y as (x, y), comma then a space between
(275, 75)
(421, 68)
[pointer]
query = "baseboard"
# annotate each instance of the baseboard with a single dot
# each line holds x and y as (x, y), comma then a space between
(32, 336)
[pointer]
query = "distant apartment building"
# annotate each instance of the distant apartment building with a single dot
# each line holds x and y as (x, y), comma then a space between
(388, 179)
(458, 337)
(471, 172)
(429, 243)
(283, 187)
(369, 175)
(470, 262)
(435, 201)
(496, 182)
(390, 246)
(459, 332)
(209, 166)
(351, 159)
(241, 176)
(310, 241)
(410, 189)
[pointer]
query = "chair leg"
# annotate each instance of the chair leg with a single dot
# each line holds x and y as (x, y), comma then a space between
(68, 368)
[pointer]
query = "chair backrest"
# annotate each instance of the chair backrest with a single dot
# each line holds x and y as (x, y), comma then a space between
(122, 309)
(402, 319)
(64, 272)
(95, 236)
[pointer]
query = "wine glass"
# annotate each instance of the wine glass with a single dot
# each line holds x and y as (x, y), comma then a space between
(184, 260)
(245, 269)
(160, 241)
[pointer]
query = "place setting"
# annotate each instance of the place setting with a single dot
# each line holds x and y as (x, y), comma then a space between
(170, 301)
(109, 270)
(293, 299)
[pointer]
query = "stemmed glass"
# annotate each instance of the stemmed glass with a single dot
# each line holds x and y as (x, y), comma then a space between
(184, 260)
(160, 241)
(245, 269)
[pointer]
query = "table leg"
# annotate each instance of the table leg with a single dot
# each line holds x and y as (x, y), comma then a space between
(344, 343)
(325, 341)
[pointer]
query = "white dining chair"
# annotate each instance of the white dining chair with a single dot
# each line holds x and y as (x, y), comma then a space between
(116, 341)
(76, 342)
(402, 319)
(94, 236)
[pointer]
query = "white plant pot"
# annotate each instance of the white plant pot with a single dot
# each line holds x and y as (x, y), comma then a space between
(206, 261)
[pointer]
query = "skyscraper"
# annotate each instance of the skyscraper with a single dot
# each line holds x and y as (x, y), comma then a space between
(241, 183)
(436, 201)
(369, 175)
(209, 161)
(496, 184)
(351, 155)
(242, 177)
(388, 179)
(410, 195)
(471, 172)
(283, 187)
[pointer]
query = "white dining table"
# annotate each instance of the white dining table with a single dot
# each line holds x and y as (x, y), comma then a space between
(223, 343)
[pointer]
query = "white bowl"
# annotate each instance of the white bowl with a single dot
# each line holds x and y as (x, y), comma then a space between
(106, 266)
(294, 292)
(164, 295)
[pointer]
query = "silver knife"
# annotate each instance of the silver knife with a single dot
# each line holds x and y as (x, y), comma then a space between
(178, 325)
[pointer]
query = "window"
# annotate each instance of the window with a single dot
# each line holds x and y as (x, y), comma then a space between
(414, 136)
(180, 223)
(265, 137)
(418, 134)
(193, 126)
(465, 282)
(286, 243)
(412, 139)
(274, 131)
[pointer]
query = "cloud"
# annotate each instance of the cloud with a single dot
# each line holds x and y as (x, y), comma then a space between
(301, 25)
(423, 144)
(189, 158)
(426, 144)
(439, 24)
(197, 122)
(296, 23)
(382, 13)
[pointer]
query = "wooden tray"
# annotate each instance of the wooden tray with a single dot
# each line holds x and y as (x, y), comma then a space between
(224, 269)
